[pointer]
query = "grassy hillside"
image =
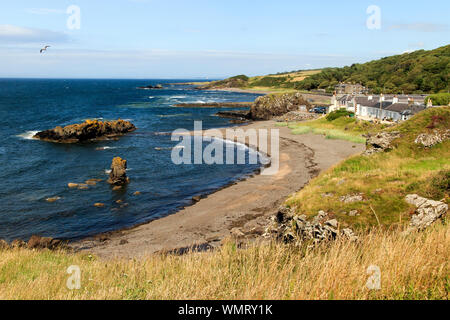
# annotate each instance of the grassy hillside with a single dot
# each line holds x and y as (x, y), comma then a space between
(417, 72)
(279, 83)
(384, 178)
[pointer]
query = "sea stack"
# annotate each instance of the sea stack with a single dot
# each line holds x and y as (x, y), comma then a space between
(118, 175)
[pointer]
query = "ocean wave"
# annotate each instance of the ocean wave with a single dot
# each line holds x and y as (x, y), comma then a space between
(177, 97)
(105, 148)
(27, 135)
(168, 148)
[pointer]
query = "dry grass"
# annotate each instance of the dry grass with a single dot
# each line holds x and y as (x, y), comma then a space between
(412, 267)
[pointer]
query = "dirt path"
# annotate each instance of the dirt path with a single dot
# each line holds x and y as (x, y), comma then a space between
(246, 204)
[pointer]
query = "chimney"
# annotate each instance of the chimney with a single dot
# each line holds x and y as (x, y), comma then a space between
(395, 100)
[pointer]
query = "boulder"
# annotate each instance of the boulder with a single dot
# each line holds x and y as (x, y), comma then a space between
(427, 212)
(350, 198)
(90, 130)
(37, 242)
(4, 245)
(428, 140)
(118, 174)
(380, 142)
(273, 105)
(291, 228)
(18, 243)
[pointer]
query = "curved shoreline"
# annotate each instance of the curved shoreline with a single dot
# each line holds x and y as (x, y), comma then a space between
(246, 204)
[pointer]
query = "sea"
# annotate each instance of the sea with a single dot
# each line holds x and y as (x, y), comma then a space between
(34, 171)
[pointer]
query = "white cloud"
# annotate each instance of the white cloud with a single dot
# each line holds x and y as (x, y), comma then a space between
(421, 27)
(15, 34)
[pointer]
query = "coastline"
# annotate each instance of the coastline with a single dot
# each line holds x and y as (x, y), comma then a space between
(246, 204)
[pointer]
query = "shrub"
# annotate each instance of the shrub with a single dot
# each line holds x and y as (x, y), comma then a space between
(439, 99)
(338, 114)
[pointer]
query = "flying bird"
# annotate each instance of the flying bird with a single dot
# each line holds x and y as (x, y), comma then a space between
(44, 48)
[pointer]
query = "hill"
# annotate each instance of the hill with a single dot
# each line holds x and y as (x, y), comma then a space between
(417, 72)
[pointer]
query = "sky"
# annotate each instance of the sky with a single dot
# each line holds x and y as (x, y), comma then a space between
(209, 39)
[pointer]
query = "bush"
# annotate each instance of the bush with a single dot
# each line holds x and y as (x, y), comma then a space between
(439, 99)
(338, 114)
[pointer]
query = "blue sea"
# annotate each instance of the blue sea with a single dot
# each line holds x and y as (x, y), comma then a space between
(33, 171)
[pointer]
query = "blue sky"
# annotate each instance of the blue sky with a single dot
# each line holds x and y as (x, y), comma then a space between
(214, 39)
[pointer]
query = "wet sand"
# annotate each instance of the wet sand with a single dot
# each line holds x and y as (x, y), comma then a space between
(246, 205)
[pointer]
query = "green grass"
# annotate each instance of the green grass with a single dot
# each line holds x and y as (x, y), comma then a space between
(384, 178)
(343, 128)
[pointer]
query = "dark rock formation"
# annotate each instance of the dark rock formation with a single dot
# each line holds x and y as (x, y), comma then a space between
(288, 227)
(158, 86)
(37, 242)
(234, 114)
(118, 175)
(87, 131)
(273, 105)
(3, 245)
(215, 105)
(380, 142)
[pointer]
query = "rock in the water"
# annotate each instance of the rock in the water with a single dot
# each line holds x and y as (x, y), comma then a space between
(273, 105)
(72, 185)
(37, 242)
(88, 131)
(118, 174)
(52, 199)
(428, 140)
(380, 142)
(427, 212)
(99, 205)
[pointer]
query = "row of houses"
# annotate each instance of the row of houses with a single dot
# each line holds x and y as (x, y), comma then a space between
(382, 107)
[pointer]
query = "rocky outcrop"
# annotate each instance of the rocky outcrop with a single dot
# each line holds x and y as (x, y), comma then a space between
(273, 105)
(215, 105)
(291, 228)
(37, 242)
(87, 131)
(158, 86)
(296, 116)
(428, 140)
(380, 142)
(118, 174)
(427, 212)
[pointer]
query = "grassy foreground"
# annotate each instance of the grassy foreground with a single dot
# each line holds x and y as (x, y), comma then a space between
(412, 267)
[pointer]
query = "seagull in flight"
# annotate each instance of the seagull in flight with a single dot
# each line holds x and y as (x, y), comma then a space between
(44, 48)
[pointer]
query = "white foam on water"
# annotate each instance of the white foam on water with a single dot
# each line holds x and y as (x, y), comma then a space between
(105, 148)
(27, 135)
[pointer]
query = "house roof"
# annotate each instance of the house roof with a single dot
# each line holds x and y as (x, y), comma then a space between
(404, 108)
